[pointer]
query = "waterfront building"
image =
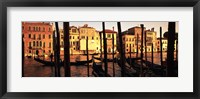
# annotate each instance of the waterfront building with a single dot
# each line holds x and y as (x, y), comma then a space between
(129, 41)
(109, 36)
(37, 38)
(164, 44)
(151, 38)
(93, 39)
(137, 31)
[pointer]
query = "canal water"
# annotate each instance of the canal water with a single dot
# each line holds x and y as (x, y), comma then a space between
(36, 69)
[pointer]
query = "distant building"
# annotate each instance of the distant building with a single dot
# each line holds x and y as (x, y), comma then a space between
(93, 39)
(164, 44)
(151, 38)
(137, 31)
(109, 34)
(129, 41)
(37, 38)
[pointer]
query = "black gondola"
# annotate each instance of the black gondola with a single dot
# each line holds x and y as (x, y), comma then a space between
(98, 70)
(49, 63)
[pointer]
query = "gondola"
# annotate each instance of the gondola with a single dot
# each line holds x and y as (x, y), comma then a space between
(129, 71)
(108, 60)
(98, 70)
(49, 63)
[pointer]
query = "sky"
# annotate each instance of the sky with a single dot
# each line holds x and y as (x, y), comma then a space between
(125, 25)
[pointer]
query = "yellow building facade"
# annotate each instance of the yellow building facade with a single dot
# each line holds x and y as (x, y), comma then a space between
(93, 39)
(129, 43)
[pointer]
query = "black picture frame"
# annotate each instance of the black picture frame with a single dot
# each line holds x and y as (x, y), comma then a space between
(98, 3)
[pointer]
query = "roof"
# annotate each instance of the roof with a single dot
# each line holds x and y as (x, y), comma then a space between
(108, 31)
(36, 23)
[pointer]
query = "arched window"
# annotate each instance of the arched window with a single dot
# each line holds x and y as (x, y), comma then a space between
(37, 43)
(33, 43)
(40, 43)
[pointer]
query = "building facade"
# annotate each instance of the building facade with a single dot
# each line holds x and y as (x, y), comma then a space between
(164, 44)
(109, 34)
(151, 38)
(93, 39)
(37, 38)
(129, 43)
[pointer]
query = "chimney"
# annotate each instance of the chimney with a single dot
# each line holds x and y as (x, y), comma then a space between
(152, 29)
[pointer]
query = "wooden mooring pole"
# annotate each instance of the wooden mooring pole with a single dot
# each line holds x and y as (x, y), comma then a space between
(55, 54)
(23, 56)
(141, 66)
(58, 48)
(152, 55)
(170, 49)
(100, 44)
(137, 47)
(122, 61)
(88, 68)
(105, 50)
(130, 55)
(145, 44)
(161, 52)
(113, 53)
(177, 50)
(66, 50)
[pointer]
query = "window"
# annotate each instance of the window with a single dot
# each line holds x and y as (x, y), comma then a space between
(43, 44)
(43, 29)
(62, 43)
(37, 44)
(43, 36)
(129, 39)
(34, 36)
(40, 43)
(77, 37)
(49, 36)
(39, 36)
(69, 37)
(126, 39)
(49, 44)
(132, 39)
(82, 37)
(33, 28)
(97, 38)
(29, 51)
(97, 48)
(126, 45)
(74, 48)
(29, 44)
(33, 43)
(126, 49)
(29, 35)
(49, 29)
(29, 28)
(73, 37)
(109, 35)
(39, 28)
(36, 28)
(74, 30)
(22, 27)
(49, 51)
(92, 38)
(73, 43)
